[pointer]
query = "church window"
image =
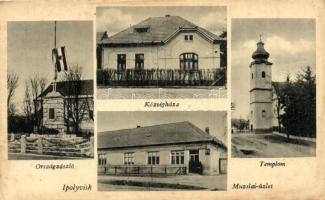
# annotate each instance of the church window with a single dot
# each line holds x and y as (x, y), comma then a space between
(51, 113)
(263, 113)
(263, 74)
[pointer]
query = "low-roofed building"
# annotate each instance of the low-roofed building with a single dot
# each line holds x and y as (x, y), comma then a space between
(174, 148)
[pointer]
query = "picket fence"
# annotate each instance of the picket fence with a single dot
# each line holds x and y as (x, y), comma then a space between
(52, 145)
(161, 77)
(142, 170)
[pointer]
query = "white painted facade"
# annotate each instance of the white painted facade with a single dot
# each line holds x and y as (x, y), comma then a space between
(166, 56)
(261, 112)
(209, 161)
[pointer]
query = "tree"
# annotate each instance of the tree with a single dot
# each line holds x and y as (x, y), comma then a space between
(298, 102)
(12, 84)
(32, 103)
(28, 104)
(77, 105)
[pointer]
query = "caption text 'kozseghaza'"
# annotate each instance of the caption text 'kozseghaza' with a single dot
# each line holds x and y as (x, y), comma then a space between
(161, 104)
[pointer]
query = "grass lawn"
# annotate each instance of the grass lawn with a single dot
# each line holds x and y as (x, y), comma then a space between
(162, 93)
(188, 182)
(270, 146)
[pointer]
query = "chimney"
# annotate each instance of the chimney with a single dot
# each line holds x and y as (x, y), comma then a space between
(207, 130)
(168, 15)
(138, 126)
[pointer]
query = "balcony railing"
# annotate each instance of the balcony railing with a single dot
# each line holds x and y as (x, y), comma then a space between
(161, 77)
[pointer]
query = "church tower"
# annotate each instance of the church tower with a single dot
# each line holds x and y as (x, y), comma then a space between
(260, 91)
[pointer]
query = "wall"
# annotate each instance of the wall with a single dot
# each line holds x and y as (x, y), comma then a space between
(258, 81)
(167, 56)
(261, 98)
(54, 100)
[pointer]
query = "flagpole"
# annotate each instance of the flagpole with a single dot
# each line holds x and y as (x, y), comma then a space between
(55, 72)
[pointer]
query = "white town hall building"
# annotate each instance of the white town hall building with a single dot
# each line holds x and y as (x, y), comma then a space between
(168, 42)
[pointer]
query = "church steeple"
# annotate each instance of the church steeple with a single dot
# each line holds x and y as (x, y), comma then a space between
(260, 91)
(260, 54)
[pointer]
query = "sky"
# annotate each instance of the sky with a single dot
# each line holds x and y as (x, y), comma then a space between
(116, 120)
(30, 45)
(115, 19)
(290, 42)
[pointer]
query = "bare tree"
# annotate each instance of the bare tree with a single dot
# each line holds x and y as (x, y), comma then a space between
(12, 84)
(28, 104)
(77, 105)
(32, 100)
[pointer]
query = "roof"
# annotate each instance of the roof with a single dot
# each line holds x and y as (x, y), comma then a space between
(163, 134)
(260, 53)
(100, 36)
(63, 88)
(160, 31)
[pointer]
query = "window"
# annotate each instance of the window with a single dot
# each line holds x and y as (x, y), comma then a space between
(177, 157)
(263, 74)
(102, 159)
(51, 113)
(121, 62)
(188, 61)
(153, 158)
(252, 76)
(139, 61)
(263, 113)
(142, 29)
(91, 114)
(129, 158)
(188, 37)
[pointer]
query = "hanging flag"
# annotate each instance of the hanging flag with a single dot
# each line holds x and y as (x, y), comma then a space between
(59, 58)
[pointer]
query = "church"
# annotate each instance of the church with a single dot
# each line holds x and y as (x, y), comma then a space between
(264, 102)
(264, 105)
(167, 42)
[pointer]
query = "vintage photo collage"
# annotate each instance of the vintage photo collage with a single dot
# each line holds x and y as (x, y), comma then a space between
(160, 108)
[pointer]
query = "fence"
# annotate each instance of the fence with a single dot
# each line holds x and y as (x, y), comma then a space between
(53, 145)
(142, 170)
(161, 77)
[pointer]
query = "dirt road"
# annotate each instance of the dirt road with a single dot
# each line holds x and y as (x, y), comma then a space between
(270, 145)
